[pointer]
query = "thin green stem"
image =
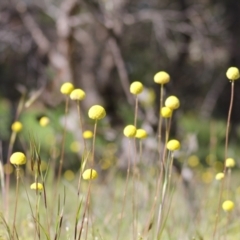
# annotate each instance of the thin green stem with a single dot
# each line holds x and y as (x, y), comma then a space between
(136, 111)
(62, 144)
(160, 122)
(93, 143)
(16, 200)
(225, 157)
(125, 191)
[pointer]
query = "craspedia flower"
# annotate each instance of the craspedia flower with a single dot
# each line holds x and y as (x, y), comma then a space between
(230, 163)
(141, 133)
(36, 186)
(161, 77)
(96, 112)
(89, 174)
(130, 131)
(166, 112)
(173, 145)
(172, 102)
(66, 88)
(219, 176)
(17, 126)
(136, 88)
(44, 121)
(18, 158)
(87, 134)
(232, 73)
(228, 205)
(77, 94)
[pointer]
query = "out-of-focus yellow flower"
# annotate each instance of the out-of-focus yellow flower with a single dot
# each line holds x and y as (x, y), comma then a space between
(130, 131)
(77, 94)
(161, 77)
(69, 175)
(44, 121)
(17, 126)
(141, 133)
(166, 112)
(87, 134)
(96, 112)
(230, 163)
(172, 102)
(173, 145)
(75, 147)
(232, 73)
(136, 88)
(193, 161)
(66, 88)
(219, 176)
(89, 174)
(228, 206)
(37, 186)
(18, 158)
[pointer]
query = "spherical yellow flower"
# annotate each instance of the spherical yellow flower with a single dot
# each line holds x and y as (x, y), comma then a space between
(67, 88)
(172, 102)
(89, 174)
(161, 77)
(233, 73)
(87, 134)
(37, 186)
(219, 176)
(228, 206)
(77, 94)
(44, 121)
(18, 158)
(173, 145)
(130, 131)
(166, 112)
(141, 133)
(17, 126)
(230, 163)
(96, 112)
(136, 88)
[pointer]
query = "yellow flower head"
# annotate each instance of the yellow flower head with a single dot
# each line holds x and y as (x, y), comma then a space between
(136, 88)
(172, 102)
(44, 121)
(173, 145)
(230, 163)
(228, 206)
(89, 174)
(67, 88)
(232, 73)
(17, 126)
(77, 94)
(166, 112)
(219, 176)
(141, 133)
(87, 134)
(161, 77)
(130, 131)
(96, 112)
(18, 158)
(37, 186)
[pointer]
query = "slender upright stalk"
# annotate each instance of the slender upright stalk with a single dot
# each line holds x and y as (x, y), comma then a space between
(160, 122)
(16, 200)
(136, 111)
(225, 157)
(125, 190)
(62, 143)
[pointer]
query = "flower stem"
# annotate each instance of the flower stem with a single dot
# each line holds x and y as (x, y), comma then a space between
(225, 157)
